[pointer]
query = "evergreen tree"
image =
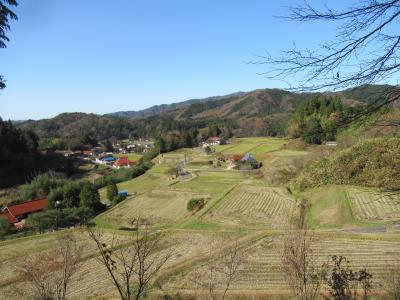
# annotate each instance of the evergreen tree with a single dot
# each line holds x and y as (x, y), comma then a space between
(214, 130)
(89, 197)
(71, 194)
(19, 155)
(188, 142)
(160, 145)
(315, 120)
(112, 191)
(108, 145)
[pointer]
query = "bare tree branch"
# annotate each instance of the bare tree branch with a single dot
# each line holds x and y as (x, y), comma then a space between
(299, 265)
(133, 265)
(50, 273)
(365, 50)
(221, 271)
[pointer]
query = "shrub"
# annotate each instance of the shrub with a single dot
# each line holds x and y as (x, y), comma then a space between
(372, 163)
(4, 227)
(41, 185)
(59, 218)
(118, 199)
(56, 195)
(71, 194)
(195, 204)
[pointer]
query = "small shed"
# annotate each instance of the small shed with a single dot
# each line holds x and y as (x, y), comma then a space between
(123, 193)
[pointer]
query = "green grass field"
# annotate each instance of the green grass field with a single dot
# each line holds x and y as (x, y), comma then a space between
(329, 208)
(254, 145)
(131, 156)
(212, 183)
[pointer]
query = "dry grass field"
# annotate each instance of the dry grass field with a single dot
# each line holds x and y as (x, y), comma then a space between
(240, 207)
(161, 206)
(253, 205)
(369, 205)
(261, 268)
(14, 252)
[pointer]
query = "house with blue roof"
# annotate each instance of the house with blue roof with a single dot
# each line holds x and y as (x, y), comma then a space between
(248, 158)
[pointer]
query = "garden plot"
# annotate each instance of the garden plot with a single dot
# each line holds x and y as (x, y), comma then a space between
(158, 206)
(247, 204)
(368, 205)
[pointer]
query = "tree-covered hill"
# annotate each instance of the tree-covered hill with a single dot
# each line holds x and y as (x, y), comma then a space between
(259, 112)
(371, 163)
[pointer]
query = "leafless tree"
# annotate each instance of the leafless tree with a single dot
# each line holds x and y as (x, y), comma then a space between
(392, 280)
(364, 51)
(299, 265)
(50, 273)
(366, 46)
(133, 264)
(344, 283)
(221, 271)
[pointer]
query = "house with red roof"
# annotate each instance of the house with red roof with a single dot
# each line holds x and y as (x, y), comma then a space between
(16, 212)
(235, 159)
(123, 162)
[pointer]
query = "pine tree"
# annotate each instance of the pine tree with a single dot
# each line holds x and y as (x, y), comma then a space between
(112, 191)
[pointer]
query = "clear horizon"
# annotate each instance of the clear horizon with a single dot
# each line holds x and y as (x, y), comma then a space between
(79, 56)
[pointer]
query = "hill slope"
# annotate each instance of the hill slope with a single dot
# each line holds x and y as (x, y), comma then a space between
(158, 109)
(259, 112)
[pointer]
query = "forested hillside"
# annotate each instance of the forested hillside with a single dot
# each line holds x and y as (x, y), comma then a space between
(264, 112)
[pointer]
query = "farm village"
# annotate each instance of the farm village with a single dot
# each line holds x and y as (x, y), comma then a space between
(236, 198)
(200, 150)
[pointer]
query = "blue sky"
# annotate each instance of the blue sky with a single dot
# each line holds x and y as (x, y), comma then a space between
(104, 56)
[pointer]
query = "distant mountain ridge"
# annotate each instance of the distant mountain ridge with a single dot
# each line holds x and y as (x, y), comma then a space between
(352, 97)
(258, 112)
(161, 108)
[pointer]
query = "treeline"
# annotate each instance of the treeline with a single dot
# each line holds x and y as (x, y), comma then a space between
(70, 202)
(186, 139)
(19, 155)
(21, 158)
(316, 120)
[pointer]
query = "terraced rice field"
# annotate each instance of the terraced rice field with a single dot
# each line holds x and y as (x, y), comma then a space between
(158, 206)
(370, 205)
(253, 145)
(92, 279)
(261, 267)
(248, 204)
(213, 183)
(14, 252)
(153, 179)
